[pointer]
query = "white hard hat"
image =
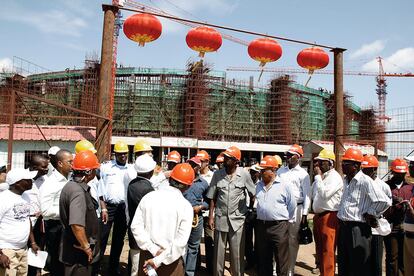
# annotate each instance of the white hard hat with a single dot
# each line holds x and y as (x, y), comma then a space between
(384, 227)
(144, 163)
(53, 150)
(15, 175)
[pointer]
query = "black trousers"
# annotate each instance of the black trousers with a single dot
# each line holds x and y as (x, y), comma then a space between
(53, 235)
(250, 248)
(117, 218)
(39, 235)
(377, 249)
(272, 241)
(394, 254)
(209, 245)
(354, 249)
(78, 270)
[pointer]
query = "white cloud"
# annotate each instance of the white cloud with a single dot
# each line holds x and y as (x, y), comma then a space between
(399, 62)
(6, 65)
(369, 50)
(55, 21)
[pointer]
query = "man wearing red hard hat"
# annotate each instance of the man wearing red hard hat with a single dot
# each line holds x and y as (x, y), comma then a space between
(361, 205)
(300, 181)
(228, 209)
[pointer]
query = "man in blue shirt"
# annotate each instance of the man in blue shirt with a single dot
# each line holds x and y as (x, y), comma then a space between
(196, 195)
(276, 206)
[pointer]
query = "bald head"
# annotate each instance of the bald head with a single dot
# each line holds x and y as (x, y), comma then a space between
(64, 160)
(40, 164)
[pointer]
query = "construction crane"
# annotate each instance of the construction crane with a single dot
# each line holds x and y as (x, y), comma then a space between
(381, 76)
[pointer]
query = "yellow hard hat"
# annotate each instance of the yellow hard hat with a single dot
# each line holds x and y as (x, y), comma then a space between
(121, 147)
(142, 145)
(84, 145)
(326, 154)
(279, 160)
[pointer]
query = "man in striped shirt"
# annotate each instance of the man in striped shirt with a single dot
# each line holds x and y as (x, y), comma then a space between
(362, 203)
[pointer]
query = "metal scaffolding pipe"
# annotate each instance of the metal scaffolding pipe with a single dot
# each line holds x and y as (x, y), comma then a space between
(104, 127)
(339, 106)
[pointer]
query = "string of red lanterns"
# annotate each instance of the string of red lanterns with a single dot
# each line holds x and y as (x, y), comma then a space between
(143, 28)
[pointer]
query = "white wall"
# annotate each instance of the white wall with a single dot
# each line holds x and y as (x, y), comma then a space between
(19, 148)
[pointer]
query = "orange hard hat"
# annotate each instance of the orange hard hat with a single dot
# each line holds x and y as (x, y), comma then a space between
(370, 161)
(183, 173)
(220, 158)
(269, 161)
(353, 154)
(203, 155)
(233, 152)
(174, 156)
(296, 149)
(399, 166)
(84, 161)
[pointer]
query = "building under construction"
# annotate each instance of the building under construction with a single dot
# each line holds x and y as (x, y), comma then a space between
(189, 109)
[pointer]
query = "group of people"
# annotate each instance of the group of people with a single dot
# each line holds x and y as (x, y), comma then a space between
(68, 204)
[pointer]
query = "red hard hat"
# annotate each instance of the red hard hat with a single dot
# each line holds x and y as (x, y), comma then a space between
(233, 152)
(196, 160)
(183, 173)
(353, 154)
(220, 158)
(84, 161)
(269, 161)
(296, 149)
(399, 166)
(370, 161)
(174, 156)
(203, 155)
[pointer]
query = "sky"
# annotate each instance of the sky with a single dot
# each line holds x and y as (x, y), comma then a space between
(59, 34)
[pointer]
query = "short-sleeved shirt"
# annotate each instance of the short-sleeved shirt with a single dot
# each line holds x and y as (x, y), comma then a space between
(77, 207)
(229, 193)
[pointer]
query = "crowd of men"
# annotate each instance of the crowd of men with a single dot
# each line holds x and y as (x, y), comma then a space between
(68, 204)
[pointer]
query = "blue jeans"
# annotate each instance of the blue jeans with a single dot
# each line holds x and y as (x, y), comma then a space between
(192, 248)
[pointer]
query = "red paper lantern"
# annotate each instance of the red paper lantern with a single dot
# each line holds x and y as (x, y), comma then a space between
(264, 50)
(142, 28)
(203, 40)
(313, 58)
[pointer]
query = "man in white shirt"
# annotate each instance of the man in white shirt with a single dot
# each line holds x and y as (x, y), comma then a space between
(162, 225)
(299, 179)
(15, 225)
(327, 193)
(369, 167)
(112, 192)
(49, 206)
(40, 164)
(361, 205)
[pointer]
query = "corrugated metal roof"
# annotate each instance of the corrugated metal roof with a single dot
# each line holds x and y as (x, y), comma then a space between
(25, 132)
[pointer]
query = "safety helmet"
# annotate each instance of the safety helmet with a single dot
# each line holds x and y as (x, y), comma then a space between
(296, 149)
(399, 166)
(203, 155)
(326, 154)
(370, 161)
(353, 154)
(142, 145)
(279, 160)
(84, 145)
(269, 161)
(174, 156)
(220, 158)
(121, 147)
(233, 152)
(84, 161)
(183, 173)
